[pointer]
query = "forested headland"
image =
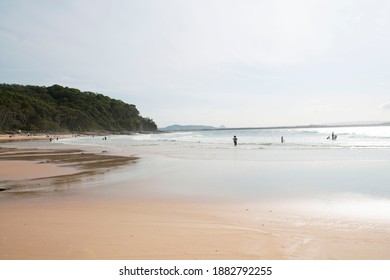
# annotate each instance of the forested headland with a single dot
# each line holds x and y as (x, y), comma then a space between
(58, 108)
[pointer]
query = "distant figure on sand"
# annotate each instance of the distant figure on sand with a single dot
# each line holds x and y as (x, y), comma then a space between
(281, 139)
(235, 140)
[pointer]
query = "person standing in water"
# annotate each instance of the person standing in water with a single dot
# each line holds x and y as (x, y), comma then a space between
(235, 140)
(281, 139)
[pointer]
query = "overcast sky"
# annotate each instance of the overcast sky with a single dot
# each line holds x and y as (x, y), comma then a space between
(224, 62)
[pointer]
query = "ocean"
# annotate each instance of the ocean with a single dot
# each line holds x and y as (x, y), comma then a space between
(307, 163)
(371, 137)
(349, 174)
(305, 138)
(217, 143)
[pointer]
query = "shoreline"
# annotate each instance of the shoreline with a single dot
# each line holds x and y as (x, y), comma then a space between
(40, 136)
(4, 138)
(124, 219)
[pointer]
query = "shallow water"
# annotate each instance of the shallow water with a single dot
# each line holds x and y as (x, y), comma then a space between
(205, 166)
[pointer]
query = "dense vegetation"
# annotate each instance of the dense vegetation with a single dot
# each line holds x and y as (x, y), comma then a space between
(57, 108)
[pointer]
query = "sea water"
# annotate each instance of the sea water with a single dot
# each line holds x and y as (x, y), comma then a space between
(347, 137)
(374, 137)
(350, 174)
(347, 177)
(300, 144)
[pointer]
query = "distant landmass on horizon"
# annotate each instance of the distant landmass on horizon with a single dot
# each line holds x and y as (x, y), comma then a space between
(177, 127)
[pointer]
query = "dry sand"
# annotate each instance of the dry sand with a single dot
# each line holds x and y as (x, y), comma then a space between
(83, 224)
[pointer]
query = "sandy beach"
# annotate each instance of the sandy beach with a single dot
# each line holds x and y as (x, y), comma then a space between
(30, 137)
(171, 230)
(72, 204)
(74, 228)
(29, 170)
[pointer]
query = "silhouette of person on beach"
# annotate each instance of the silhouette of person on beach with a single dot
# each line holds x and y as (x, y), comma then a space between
(235, 140)
(282, 139)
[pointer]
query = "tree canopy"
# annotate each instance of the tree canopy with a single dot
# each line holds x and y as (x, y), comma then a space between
(58, 108)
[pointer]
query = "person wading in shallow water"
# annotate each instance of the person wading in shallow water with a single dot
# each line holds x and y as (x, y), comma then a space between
(235, 140)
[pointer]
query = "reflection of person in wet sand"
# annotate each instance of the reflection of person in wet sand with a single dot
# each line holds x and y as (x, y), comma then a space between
(235, 140)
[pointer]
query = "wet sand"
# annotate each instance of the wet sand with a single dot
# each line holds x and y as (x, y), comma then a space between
(27, 170)
(73, 228)
(47, 214)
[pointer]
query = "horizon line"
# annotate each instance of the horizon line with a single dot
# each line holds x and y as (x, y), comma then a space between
(282, 127)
